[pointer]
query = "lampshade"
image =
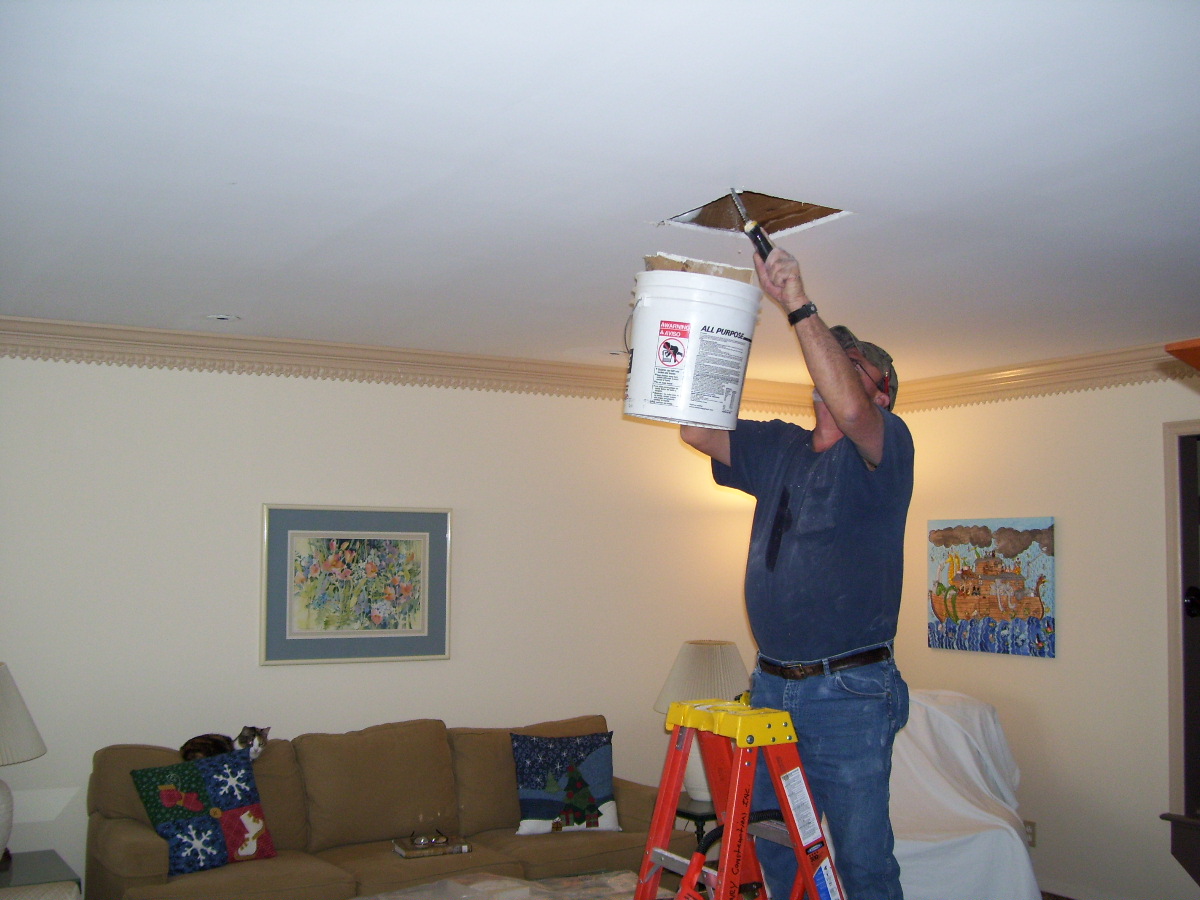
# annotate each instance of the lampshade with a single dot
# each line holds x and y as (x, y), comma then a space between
(704, 670)
(19, 738)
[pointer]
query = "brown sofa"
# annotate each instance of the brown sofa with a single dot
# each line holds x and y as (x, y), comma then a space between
(334, 802)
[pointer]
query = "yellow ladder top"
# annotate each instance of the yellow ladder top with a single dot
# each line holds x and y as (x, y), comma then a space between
(747, 726)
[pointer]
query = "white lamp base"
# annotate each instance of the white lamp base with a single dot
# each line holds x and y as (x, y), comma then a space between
(6, 815)
(695, 781)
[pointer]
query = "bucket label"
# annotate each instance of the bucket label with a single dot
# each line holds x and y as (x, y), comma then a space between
(720, 365)
(673, 343)
(713, 381)
(673, 340)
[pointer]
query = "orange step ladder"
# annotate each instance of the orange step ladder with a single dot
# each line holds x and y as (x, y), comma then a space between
(733, 739)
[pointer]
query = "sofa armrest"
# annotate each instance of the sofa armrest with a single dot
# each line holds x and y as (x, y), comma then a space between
(127, 848)
(635, 804)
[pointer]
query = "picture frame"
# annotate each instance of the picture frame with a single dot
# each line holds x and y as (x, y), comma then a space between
(344, 584)
(991, 586)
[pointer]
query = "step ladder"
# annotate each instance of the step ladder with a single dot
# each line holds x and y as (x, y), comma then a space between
(733, 739)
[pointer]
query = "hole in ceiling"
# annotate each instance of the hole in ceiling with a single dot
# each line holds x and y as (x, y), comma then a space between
(775, 215)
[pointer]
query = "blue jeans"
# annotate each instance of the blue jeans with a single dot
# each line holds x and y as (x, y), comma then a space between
(845, 724)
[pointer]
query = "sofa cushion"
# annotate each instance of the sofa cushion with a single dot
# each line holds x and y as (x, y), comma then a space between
(111, 792)
(208, 810)
(378, 869)
(282, 791)
(565, 783)
(487, 775)
(291, 875)
(380, 783)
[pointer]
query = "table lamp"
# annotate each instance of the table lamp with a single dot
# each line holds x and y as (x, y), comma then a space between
(703, 670)
(19, 742)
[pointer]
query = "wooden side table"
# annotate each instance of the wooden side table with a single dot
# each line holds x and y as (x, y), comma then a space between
(39, 875)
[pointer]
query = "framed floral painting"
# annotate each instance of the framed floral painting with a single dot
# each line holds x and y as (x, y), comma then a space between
(354, 585)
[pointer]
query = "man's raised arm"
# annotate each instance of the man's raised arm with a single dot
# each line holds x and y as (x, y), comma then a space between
(713, 441)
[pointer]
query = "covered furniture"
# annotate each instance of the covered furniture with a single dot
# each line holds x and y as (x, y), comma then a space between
(954, 804)
(334, 803)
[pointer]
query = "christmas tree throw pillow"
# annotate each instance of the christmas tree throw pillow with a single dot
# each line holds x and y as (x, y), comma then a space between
(208, 811)
(565, 783)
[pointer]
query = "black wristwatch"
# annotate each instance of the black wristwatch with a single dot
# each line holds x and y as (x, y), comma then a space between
(800, 313)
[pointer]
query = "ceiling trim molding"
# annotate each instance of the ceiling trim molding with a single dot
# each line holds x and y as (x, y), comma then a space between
(46, 339)
(1094, 371)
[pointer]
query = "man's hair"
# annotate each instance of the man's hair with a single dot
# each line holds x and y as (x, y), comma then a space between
(872, 353)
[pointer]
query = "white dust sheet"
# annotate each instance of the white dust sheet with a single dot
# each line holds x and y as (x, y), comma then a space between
(954, 804)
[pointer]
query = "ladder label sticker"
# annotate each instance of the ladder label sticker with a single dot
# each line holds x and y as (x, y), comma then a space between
(802, 806)
(827, 886)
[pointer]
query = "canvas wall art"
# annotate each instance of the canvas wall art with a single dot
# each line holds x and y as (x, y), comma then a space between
(991, 585)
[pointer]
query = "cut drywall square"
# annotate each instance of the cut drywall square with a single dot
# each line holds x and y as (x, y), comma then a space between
(775, 215)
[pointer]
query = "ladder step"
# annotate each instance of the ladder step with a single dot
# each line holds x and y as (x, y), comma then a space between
(747, 726)
(672, 862)
(677, 864)
(772, 830)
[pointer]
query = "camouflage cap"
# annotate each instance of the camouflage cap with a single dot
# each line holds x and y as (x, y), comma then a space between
(872, 353)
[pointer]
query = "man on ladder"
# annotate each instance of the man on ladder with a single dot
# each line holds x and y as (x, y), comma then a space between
(823, 581)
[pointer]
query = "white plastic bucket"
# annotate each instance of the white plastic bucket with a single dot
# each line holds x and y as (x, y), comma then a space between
(689, 345)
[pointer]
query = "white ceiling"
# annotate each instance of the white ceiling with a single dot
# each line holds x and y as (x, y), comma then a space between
(485, 177)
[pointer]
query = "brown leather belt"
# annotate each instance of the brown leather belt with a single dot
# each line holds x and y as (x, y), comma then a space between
(850, 661)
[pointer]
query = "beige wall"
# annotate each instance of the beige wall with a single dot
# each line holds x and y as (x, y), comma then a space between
(1089, 727)
(586, 547)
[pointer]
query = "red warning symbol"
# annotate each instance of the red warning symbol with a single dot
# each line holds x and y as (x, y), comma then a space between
(673, 342)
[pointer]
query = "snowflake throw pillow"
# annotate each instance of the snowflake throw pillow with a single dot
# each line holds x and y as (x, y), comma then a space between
(565, 783)
(207, 809)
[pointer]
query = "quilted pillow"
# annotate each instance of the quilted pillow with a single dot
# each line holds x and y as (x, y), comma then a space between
(208, 811)
(565, 783)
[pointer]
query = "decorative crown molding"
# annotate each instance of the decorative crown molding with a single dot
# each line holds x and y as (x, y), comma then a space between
(46, 339)
(1094, 371)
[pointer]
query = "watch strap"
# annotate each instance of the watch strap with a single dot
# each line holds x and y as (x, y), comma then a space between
(800, 313)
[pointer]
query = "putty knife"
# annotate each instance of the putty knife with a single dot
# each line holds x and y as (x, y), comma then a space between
(753, 230)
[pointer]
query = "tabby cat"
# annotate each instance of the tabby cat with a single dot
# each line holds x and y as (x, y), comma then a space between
(215, 744)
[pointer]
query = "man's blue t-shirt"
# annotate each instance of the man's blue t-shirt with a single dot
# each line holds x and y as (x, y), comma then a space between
(826, 560)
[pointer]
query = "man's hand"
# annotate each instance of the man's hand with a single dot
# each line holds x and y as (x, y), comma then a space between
(850, 407)
(780, 279)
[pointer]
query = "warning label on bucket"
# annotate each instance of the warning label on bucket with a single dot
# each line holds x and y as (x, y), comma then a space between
(673, 343)
(673, 339)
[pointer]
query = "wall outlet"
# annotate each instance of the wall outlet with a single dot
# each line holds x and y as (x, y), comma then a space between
(1031, 833)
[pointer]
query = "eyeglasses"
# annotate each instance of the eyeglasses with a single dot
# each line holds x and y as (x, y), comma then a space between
(425, 840)
(883, 384)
